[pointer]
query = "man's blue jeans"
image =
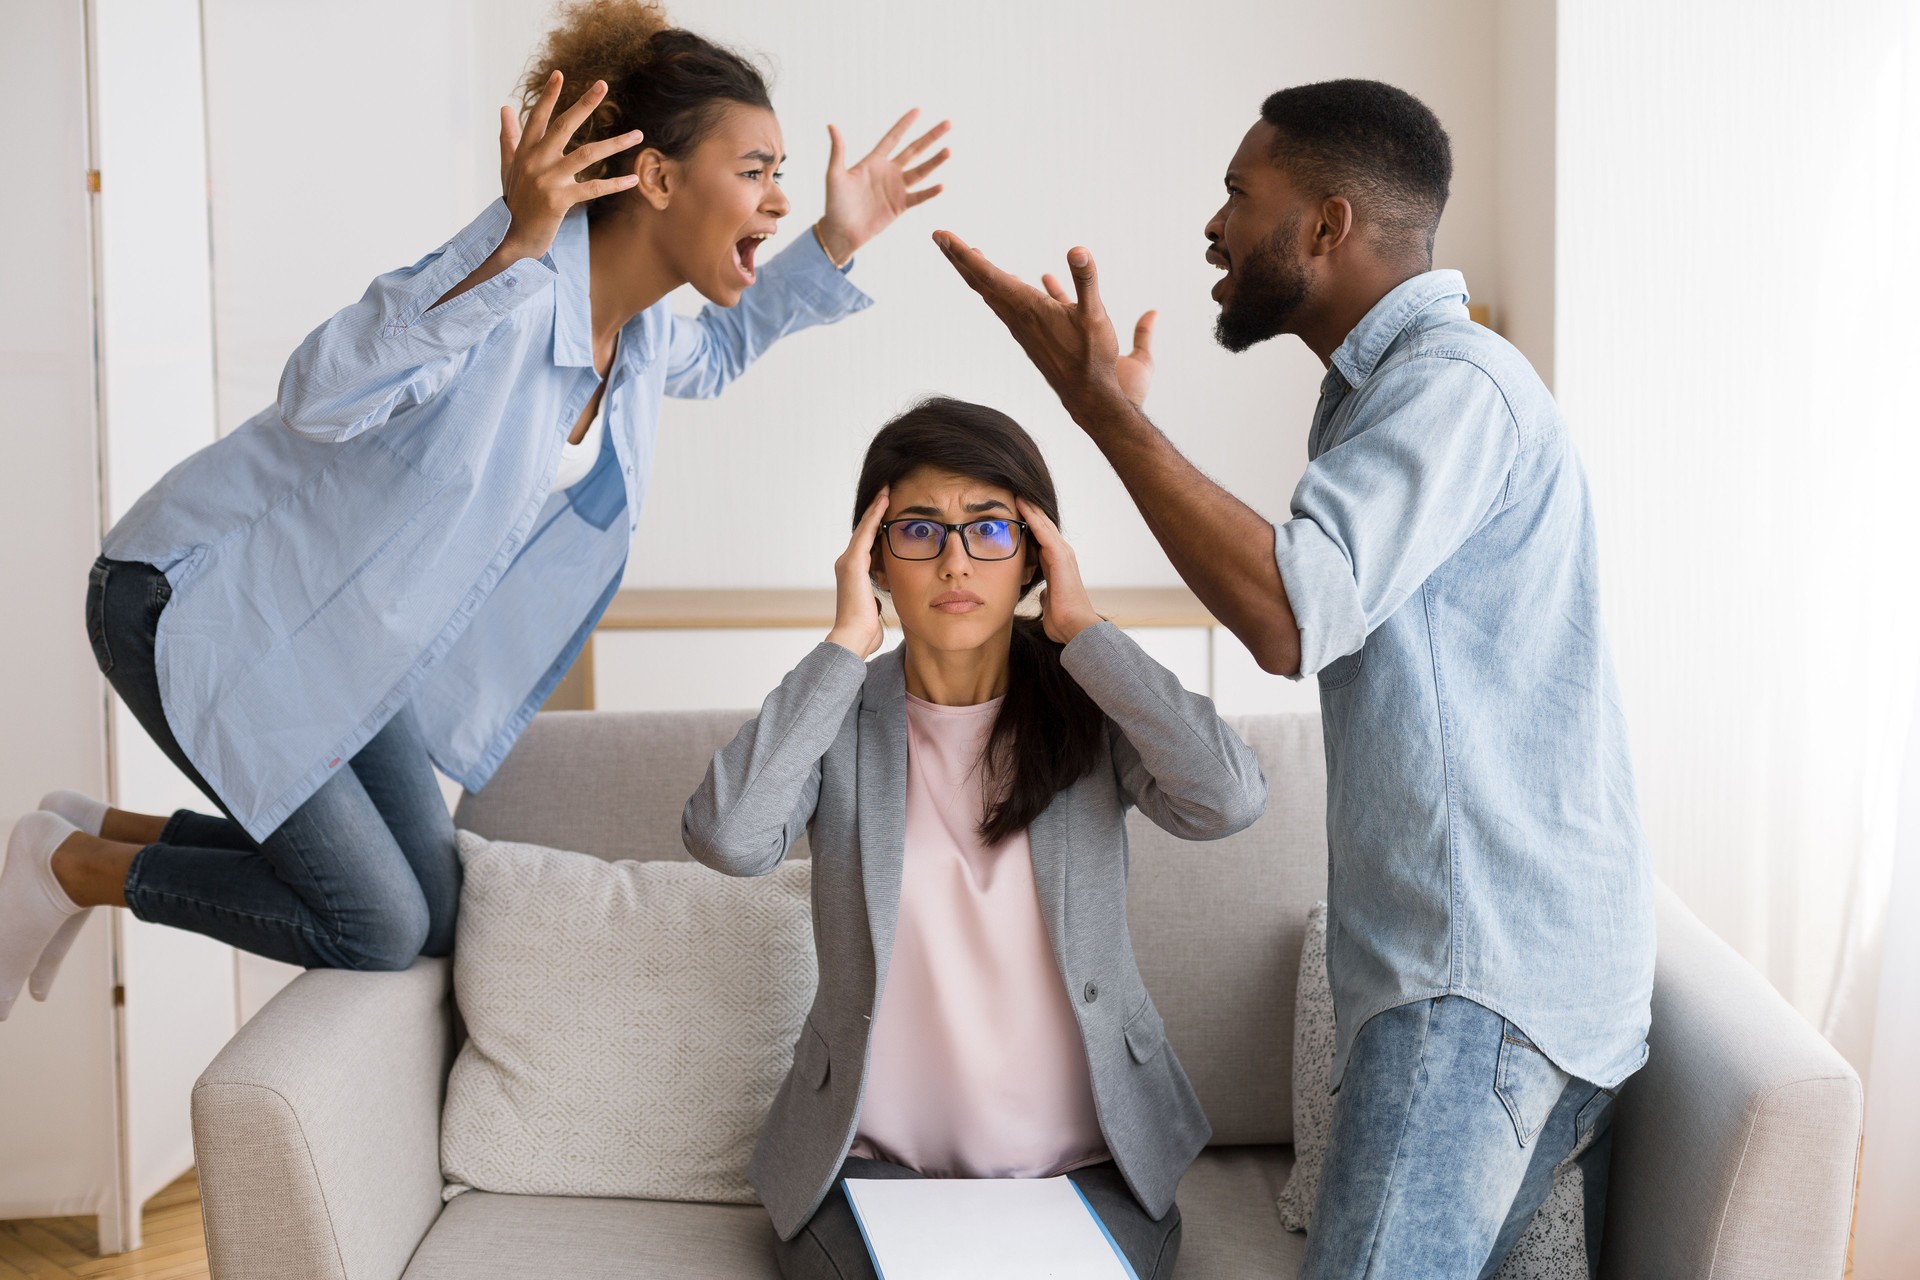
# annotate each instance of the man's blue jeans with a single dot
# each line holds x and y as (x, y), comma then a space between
(1446, 1132)
(364, 875)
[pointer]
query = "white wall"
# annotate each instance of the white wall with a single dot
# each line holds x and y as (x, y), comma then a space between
(57, 1158)
(1734, 319)
(1527, 52)
(1108, 124)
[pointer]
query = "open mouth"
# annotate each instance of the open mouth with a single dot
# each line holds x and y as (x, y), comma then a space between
(1217, 257)
(744, 250)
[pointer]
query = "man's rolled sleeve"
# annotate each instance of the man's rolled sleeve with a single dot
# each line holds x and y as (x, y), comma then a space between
(1322, 593)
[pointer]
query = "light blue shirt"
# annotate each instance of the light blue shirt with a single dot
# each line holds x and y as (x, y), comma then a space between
(1483, 831)
(385, 534)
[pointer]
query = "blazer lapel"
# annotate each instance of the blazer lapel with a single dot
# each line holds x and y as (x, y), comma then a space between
(882, 791)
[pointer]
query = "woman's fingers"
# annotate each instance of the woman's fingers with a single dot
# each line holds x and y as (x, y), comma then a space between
(836, 149)
(509, 137)
(921, 197)
(885, 146)
(594, 152)
(581, 191)
(918, 173)
(869, 527)
(574, 116)
(543, 108)
(924, 141)
(1045, 532)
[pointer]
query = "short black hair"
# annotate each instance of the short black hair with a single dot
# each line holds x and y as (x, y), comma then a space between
(1378, 146)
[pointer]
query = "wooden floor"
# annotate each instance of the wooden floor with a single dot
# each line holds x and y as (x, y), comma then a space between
(67, 1249)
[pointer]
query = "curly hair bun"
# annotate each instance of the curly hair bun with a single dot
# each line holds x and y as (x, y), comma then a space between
(661, 79)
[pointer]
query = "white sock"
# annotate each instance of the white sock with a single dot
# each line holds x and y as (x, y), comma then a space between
(82, 811)
(88, 814)
(33, 906)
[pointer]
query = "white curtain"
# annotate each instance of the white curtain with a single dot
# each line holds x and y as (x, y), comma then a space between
(1738, 351)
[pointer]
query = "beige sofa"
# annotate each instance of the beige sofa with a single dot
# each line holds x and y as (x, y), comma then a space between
(317, 1129)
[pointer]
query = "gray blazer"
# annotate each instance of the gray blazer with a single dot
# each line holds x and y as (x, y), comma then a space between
(828, 754)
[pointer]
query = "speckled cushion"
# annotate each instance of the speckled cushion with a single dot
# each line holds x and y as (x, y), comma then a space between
(627, 1022)
(1554, 1245)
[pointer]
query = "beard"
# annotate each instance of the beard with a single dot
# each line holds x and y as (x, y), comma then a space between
(1268, 289)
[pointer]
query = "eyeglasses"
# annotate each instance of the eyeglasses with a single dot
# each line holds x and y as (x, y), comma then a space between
(926, 539)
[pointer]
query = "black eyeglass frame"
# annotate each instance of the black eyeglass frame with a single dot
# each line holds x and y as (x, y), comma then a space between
(948, 530)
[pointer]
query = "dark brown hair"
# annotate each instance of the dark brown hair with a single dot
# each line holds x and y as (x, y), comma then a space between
(670, 84)
(1047, 734)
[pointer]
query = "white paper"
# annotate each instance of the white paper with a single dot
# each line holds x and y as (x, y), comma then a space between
(965, 1228)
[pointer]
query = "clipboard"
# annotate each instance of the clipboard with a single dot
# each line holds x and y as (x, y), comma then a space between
(964, 1228)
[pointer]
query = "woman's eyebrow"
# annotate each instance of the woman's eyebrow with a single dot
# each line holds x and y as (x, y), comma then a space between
(764, 157)
(972, 508)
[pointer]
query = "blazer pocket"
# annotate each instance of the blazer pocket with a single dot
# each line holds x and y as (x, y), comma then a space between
(1146, 1034)
(812, 1061)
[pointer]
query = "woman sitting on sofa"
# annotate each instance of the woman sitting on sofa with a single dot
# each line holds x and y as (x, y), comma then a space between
(979, 1012)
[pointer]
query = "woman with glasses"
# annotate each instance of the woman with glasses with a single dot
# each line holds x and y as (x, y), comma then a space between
(979, 1012)
(392, 566)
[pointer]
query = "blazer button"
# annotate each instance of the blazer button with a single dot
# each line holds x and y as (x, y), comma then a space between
(1091, 992)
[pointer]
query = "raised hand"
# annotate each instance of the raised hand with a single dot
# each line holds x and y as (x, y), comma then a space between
(856, 610)
(863, 201)
(537, 172)
(1065, 608)
(1070, 340)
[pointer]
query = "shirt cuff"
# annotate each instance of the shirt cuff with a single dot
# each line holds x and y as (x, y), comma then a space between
(804, 269)
(1322, 593)
(465, 252)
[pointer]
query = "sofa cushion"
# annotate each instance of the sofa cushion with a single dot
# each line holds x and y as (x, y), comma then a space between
(1218, 928)
(608, 783)
(1229, 1232)
(627, 1023)
(481, 1235)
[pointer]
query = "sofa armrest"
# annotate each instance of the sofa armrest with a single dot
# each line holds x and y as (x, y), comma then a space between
(1735, 1146)
(317, 1129)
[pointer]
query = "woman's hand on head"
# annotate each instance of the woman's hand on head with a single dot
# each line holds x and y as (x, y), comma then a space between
(538, 173)
(856, 610)
(1065, 607)
(863, 201)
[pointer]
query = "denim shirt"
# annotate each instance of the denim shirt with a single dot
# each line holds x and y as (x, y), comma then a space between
(384, 533)
(1483, 830)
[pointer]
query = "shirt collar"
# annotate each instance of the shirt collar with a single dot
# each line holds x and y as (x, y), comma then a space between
(572, 308)
(1390, 317)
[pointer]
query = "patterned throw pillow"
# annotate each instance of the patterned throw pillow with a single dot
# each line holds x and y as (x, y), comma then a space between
(627, 1022)
(1554, 1245)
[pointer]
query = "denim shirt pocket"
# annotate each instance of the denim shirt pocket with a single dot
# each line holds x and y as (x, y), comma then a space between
(1527, 1082)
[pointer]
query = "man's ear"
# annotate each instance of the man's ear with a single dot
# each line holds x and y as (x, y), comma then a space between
(1334, 225)
(659, 178)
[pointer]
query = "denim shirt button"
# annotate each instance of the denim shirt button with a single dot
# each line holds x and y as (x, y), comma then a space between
(1091, 992)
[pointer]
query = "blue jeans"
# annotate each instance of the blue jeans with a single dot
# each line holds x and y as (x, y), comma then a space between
(364, 875)
(1446, 1132)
